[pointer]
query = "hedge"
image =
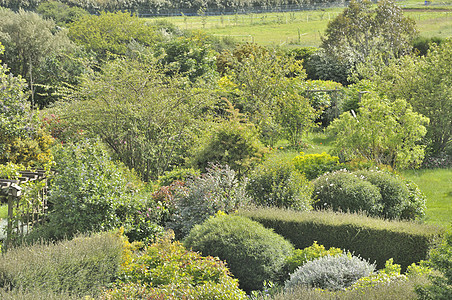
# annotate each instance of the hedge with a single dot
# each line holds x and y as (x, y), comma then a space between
(373, 239)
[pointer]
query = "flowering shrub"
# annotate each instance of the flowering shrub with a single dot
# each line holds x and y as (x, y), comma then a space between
(166, 270)
(314, 165)
(279, 184)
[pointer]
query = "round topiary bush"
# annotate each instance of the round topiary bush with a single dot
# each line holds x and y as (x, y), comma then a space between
(330, 272)
(394, 193)
(253, 253)
(276, 183)
(344, 191)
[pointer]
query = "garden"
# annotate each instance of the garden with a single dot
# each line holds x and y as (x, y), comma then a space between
(147, 158)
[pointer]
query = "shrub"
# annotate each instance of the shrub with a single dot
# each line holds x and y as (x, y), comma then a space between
(253, 253)
(89, 193)
(415, 207)
(371, 238)
(330, 272)
(277, 183)
(300, 256)
(344, 191)
(80, 266)
(314, 165)
(440, 286)
(166, 270)
(393, 191)
(178, 174)
(216, 190)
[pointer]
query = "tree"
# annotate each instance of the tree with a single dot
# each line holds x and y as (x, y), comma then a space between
(426, 83)
(384, 131)
(362, 31)
(143, 116)
(29, 40)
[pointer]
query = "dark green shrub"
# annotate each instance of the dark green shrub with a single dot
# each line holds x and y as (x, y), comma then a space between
(216, 190)
(422, 44)
(343, 191)
(253, 253)
(394, 193)
(314, 165)
(81, 266)
(278, 183)
(371, 238)
(415, 208)
(61, 13)
(166, 270)
(330, 272)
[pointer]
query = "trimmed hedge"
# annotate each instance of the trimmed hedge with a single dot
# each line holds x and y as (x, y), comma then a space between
(374, 239)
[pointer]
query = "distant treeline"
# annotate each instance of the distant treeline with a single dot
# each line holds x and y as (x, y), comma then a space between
(176, 7)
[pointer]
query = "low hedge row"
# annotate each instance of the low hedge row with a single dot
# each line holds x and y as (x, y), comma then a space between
(374, 239)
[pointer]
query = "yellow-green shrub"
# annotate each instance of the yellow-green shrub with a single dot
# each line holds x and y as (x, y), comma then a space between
(314, 165)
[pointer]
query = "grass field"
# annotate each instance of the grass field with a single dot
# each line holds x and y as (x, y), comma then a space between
(304, 28)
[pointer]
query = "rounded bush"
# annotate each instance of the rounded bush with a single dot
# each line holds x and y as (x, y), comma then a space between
(314, 165)
(344, 191)
(394, 193)
(253, 253)
(330, 272)
(279, 184)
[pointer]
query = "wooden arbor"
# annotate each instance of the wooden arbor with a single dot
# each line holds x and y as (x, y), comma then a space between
(22, 215)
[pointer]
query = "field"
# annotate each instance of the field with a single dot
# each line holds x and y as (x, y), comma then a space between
(305, 28)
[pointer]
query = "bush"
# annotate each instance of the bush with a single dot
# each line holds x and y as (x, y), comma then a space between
(216, 190)
(344, 191)
(253, 253)
(330, 272)
(178, 174)
(301, 256)
(80, 266)
(277, 183)
(314, 165)
(374, 239)
(394, 193)
(166, 270)
(89, 193)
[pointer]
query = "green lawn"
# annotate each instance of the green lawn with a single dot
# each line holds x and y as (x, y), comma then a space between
(437, 186)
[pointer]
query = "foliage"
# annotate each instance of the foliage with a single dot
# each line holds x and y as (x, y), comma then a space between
(110, 33)
(343, 191)
(301, 256)
(422, 44)
(60, 12)
(217, 190)
(89, 193)
(190, 56)
(29, 41)
(362, 31)
(426, 83)
(322, 66)
(144, 117)
(385, 131)
(80, 266)
(371, 238)
(330, 272)
(314, 165)
(394, 193)
(166, 270)
(278, 183)
(253, 253)
(233, 142)
(440, 260)
(178, 174)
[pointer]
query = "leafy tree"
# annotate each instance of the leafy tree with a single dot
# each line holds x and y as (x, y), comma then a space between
(362, 31)
(111, 33)
(61, 13)
(384, 131)
(426, 83)
(143, 116)
(29, 40)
